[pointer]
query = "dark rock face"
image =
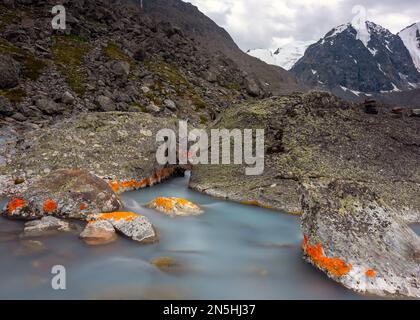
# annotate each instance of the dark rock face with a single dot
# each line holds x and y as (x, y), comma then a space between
(46, 226)
(340, 60)
(67, 193)
(10, 72)
(358, 240)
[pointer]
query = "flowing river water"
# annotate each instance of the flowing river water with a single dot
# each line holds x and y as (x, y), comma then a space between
(232, 251)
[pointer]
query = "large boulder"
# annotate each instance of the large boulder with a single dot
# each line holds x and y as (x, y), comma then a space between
(308, 136)
(68, 193)
(359, 241)
(10, 72)
(119, 147)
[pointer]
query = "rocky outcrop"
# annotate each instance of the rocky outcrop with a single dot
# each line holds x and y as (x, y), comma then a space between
(175, 206)
(359, 241)
(67, 193)
(131, 225)
(119, 147)
(317, 135)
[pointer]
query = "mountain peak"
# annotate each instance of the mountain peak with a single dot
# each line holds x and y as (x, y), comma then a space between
(355, 51)
(411, 38)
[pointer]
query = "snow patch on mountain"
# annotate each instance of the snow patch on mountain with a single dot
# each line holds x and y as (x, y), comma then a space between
(285, 56)
(363, 32)
(411, 38)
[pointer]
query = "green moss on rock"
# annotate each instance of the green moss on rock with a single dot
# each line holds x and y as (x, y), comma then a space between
(68, 53)
(14, 95)
(32, 67)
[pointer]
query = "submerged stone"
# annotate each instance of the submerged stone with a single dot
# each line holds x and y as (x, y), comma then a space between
(98, 233)
(45, 227)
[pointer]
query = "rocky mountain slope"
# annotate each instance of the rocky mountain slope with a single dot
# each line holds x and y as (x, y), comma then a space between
(166, 59)
(352, 62)
(285, 56)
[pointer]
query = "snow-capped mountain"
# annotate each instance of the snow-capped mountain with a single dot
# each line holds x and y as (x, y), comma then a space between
(411, 38)
(285, 56)
(356, 59)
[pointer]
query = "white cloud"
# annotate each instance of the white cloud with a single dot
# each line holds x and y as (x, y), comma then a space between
(268, 23)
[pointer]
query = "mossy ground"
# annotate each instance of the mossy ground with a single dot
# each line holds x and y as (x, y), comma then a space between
(171, 75)
(113, 51)
(15, 95)
(68, 53)
(32, 67)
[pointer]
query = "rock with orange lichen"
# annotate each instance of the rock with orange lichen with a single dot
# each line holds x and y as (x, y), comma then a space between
(131, 225)
(359, 241)
(175, 206)
(98, 233)
(66, 193)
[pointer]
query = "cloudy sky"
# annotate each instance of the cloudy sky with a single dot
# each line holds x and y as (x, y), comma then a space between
(271, 23)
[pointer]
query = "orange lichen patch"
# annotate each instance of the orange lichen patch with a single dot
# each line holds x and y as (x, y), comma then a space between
(114, 186)
(256, 203)
(82, 207)
(116, 216)
(127, 185)
(165, 203)
(50, 206)
(370, 273)
(15, 204)
(335, 266)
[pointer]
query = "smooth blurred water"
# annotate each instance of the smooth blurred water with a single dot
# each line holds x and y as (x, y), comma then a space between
(416, 228)
(231, 252)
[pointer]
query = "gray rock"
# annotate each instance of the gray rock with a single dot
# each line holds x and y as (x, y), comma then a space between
(10, 72)
(152, 107)
(49, 107)
(121, 68)
(67, 193)
(170, 104)
(105, 103)
(45, 226)
(19, 117)
(133, 226)
(252, 87)
(415, 112)
(6, 108)
(67, 98)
